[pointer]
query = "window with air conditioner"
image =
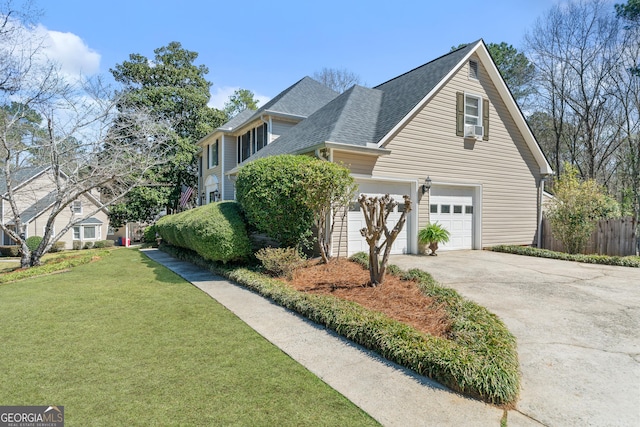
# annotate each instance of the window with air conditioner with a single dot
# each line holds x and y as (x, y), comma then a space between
(473, 116)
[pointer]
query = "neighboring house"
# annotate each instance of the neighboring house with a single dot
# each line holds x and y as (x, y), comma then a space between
(34, 195)
(452, 120)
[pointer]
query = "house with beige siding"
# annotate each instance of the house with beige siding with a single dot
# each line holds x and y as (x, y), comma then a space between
(34, 192)
(448, 134)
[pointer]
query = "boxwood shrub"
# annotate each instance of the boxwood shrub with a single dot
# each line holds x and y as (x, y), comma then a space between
(629, 261)
(480, 360)
(216, 231)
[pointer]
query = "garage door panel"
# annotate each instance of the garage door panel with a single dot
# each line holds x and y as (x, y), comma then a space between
(453, 209)
(356, 221)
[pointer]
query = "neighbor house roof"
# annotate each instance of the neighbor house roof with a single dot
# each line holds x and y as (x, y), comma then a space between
(36, 209)
(20, 176)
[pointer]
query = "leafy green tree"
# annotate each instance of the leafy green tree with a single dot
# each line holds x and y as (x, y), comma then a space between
(576, 208)
(329, 190)
(515, 68)
(629, 11)
(174, 89)
(239, 101)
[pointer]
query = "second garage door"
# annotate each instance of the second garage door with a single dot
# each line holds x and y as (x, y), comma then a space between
(453, 209)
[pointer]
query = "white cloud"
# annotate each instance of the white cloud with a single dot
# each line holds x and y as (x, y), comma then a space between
(220, 95)
(70, 52)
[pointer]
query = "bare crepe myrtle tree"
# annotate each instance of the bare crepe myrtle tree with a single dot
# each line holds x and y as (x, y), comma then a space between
(65, 130)
(376, 211)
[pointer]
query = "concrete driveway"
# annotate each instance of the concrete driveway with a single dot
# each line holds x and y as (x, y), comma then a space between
(577, 327)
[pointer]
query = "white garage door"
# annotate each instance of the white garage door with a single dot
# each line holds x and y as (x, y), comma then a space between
(356, 221)
(453, 209)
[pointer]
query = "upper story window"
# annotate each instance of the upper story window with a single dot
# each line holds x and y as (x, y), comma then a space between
(251, 142)
(472, 116)
(473, 70)
(472, 110)
(213, 154)
(76, 207)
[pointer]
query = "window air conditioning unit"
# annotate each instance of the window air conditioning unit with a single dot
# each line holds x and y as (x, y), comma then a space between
(473, 131)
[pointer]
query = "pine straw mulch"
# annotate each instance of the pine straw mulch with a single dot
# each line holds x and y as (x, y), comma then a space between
(399, 299)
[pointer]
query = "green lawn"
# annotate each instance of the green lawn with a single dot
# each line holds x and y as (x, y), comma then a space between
(124, 341)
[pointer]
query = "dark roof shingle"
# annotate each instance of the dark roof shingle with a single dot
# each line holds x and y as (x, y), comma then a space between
(362, 116)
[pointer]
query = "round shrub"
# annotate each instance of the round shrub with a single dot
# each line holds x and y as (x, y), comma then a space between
(271, 193)
(149, 234)
(216, 231)
(33, 242)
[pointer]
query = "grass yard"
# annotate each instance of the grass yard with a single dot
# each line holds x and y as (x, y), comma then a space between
(124, 341)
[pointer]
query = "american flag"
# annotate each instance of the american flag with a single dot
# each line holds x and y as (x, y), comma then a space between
(185, 196)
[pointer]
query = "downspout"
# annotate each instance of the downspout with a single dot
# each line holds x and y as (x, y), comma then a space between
(540, 196)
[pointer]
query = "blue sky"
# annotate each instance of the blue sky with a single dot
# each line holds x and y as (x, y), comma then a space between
(266, 46)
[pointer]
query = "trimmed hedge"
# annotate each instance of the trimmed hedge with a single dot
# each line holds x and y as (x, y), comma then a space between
(10, 251)
(216, 231)
(629, 261)
(480, 360)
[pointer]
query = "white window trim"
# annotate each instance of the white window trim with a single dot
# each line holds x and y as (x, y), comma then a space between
(210, 156)
(73, 207)
(81, 237)
(479, 116)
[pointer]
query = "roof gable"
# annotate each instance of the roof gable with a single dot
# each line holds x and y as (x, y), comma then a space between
(302, 99)
(361, 117)
(403, 93)
(20, 176)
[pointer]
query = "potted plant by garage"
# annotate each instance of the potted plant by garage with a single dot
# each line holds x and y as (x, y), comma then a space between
(432, 234)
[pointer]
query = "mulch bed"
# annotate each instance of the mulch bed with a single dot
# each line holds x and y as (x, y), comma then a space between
(398, 299)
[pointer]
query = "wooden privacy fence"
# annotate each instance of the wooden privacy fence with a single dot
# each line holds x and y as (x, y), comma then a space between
(615, 237)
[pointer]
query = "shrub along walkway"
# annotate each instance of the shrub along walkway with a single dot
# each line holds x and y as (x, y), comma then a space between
(392, 395)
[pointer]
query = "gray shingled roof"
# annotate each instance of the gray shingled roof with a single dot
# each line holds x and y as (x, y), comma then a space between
(91, 221)
(404, 92)
(362, 116)
(237, 120)
(349, 119)
(301, 99)
(36, 209)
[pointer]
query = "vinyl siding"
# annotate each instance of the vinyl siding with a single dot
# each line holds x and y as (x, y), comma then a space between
(504, 166)
(357, 163)
(280, 127)
(230, 161)
(36, 226)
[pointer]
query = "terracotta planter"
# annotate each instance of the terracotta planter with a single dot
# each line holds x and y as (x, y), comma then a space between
(433, 246)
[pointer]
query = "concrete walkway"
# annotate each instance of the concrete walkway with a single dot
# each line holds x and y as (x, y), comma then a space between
(389, 393)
